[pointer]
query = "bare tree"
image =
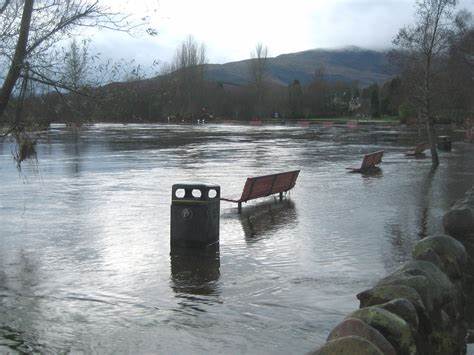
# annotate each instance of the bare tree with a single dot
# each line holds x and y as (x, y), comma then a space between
(76, 64)
(31, 35)
(424, 43)
(462, 43)
(258, 70)
(74, 73)
(189, 54)
(187, 70)
(460, 69)
(30, 31)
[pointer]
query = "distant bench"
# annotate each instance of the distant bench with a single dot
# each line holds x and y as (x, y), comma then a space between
(369, 163)
(418, 151)
(262, 186)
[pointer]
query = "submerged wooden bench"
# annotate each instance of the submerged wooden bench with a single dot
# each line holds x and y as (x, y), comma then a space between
(418, 151)
(369, 163)
(262, 186)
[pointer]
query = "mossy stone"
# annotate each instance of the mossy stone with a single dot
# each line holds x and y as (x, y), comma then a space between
(429, 281)
(386, 293)
(350, 345)
(419, 283)
(452, 254)
(458, 222)
(391, 326)
(404, 309)
(356, 327)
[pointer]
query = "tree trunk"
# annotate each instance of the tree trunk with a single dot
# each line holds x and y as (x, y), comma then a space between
(427, 112)
(432, 140)
(419, 124)
(18, 58)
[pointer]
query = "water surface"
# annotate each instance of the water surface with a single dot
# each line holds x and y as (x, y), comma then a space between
(85, 261)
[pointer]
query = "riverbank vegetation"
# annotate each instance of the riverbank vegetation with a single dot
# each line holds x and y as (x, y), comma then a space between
(181, 92)
(34, 66)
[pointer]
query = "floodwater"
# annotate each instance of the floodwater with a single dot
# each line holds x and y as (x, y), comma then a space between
(85, 262)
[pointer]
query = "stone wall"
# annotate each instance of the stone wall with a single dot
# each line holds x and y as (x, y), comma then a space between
(424, 307)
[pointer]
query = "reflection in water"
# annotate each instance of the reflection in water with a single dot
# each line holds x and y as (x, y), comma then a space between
(423, 233)
(398, 228)
(73, 150)
(373, 173)
(12, 340)
(195, 271)
(425, 202)
(264, 218)
(20, 286)
(401, 245)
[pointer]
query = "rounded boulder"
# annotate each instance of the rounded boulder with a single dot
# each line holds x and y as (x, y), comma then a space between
(350, 345)
(452, 254)
(392, 327)
(459, 221)
(356, 327)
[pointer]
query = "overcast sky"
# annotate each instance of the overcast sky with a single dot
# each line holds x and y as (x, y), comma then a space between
(231, 28)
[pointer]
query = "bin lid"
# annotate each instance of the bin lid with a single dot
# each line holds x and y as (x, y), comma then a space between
(205, 193)
(190, 185)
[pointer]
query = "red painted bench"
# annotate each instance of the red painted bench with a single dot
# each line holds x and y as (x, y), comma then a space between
(418, 151)
(262, 186)
(370, 162)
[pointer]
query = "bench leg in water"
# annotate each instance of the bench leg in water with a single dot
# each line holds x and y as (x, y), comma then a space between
(239, 207)
(281, 196)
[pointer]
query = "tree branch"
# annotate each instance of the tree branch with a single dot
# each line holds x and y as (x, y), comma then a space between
(44, 80)
(63, 24)
(4, 6)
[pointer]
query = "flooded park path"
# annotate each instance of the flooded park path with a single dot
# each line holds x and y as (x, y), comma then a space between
(85, 264)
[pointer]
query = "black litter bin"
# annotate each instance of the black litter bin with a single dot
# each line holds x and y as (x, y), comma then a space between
(195, 213)
(444, 143)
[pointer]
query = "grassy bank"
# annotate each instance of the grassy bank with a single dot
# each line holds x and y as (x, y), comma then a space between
(390, 120)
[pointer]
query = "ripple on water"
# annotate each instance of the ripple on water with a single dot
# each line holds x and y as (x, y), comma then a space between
(85, 263)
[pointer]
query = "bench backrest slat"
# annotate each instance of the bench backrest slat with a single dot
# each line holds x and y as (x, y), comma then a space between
(262, 186)
(371, 160)
(284, 181)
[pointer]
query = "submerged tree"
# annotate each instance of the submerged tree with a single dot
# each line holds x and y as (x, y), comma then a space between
(423, 44)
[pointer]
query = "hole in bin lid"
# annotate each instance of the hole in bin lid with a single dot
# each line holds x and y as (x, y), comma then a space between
(202, 186)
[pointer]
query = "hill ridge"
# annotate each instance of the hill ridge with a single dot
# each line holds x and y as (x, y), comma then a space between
(348, 64)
